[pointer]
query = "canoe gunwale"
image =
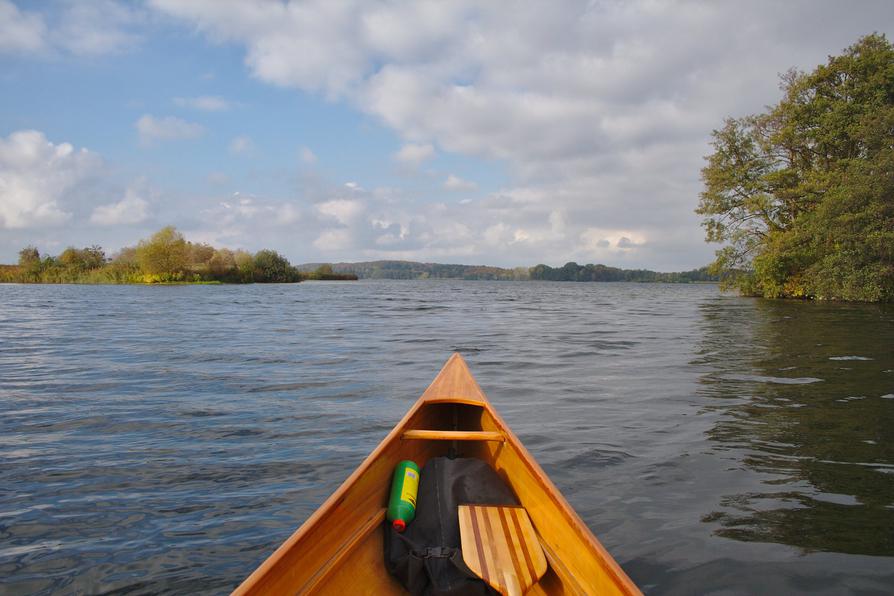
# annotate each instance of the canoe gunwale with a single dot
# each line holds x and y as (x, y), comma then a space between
(256, 578)
(442, 391)
(344, 550)
(606, 561)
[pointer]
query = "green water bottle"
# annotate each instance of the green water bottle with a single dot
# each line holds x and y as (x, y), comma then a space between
(402, 502)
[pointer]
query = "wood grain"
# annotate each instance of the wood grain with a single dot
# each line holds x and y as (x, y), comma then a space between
(453, 435)
(501, 547)
(338, 550)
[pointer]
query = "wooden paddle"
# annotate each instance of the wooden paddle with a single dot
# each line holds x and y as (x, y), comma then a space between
(500, 546)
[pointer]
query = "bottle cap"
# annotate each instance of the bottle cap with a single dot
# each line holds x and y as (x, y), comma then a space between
(399, 525)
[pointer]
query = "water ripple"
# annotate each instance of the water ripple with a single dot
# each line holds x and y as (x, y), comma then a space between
(167, 439)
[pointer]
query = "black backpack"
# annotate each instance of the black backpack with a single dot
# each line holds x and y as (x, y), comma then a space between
(427, 558)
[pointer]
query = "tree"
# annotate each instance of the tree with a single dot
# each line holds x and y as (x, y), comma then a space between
(270, 266)
(94, 256)
(165, 255)
(245, 265)
(222, 263)
(84, 259)
(200, 253)
(322, 272)
(126, 256)
(28, 256)
(803, 195)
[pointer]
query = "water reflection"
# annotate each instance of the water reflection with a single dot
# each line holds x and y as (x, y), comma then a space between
(167, 439)
(803, 393)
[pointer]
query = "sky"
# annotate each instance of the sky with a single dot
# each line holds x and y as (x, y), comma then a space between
(499, 133)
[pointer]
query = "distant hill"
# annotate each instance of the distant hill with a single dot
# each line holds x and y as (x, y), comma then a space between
(568, 272)
(414, 270)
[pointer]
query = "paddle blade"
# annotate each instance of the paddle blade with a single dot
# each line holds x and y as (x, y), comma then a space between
(499, 545)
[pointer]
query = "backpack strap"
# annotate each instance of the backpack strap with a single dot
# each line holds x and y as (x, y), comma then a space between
(457, 559)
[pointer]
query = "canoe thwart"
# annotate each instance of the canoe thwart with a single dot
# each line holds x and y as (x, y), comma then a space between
(454, 435)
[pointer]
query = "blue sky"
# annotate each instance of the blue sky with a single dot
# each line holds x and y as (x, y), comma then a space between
(499, 134)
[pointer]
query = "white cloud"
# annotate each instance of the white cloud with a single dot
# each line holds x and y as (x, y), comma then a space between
(241, 145)
(307, 156)
(602, 241)
(80, 28)
(243, 221)
(97, 27)
(343, 211)
(333, 240)
(287, 213)
(458, 184)
(244, 206)
(153, 129)
(520, 225)
(599, 110)
(206, 103)
(388, 223)
(277, 33)
(38, 176)
(497, 234)
(129, 210)
(20, 31)
(247, 209)
(414, 154)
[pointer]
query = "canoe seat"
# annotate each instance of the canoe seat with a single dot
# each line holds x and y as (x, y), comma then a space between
(454, 435)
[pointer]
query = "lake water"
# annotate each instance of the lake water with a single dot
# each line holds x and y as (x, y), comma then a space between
(167, 439)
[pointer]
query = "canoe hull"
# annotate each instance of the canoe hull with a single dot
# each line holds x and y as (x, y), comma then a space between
(339, 548)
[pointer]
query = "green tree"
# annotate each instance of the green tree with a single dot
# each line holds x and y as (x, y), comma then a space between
(323, 271)
(245, 266)
(803, 195)
(28, 256)
(94, 256)
(84, 259)
(165, 256)
(71, 258)
(272, 267)
(30, 265)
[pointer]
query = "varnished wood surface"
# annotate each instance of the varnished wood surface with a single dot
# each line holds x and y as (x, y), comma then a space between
(338, 550)
(347, 550)
(500, 546)
(453, 435)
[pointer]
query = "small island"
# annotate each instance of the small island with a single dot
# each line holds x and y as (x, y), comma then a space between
(165, 258)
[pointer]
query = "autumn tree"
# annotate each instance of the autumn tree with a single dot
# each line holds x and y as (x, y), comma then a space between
(83, 259)
(803, 194)
(222, 263)
(165, 255)
(200, 254)
(28, 256)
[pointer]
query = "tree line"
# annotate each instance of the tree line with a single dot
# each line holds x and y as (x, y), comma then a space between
(574, 272)
(417, 270)
(568, 272)
(166, 257)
